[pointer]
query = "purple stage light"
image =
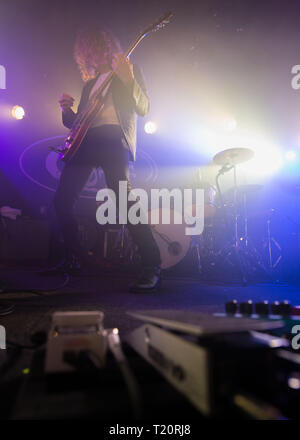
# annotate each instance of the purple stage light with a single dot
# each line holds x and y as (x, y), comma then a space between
(18, 112)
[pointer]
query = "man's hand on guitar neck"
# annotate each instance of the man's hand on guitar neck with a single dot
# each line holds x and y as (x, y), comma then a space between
(66, 102)
(123, 68)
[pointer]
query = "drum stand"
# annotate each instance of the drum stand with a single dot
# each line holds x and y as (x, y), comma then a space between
(249, 252)
(234, 247)
(196, 249)
(246, 255)
(272, 262)
(123, 245)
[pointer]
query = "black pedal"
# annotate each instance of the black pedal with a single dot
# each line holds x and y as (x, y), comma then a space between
(262, 308)
(231, 307)
(246, 308)
(275, 308)
(285, 308)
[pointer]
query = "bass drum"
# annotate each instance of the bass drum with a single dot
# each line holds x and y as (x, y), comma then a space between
(171, 239)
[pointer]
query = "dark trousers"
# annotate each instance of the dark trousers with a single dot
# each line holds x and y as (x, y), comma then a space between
(102, 147)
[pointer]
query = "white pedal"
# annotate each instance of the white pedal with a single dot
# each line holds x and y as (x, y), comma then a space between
(72, 333)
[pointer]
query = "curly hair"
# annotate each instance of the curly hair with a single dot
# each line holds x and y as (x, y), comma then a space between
(93, 45)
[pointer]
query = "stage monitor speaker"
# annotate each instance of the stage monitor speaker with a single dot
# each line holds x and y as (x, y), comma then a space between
(10, 196)
(23, 240)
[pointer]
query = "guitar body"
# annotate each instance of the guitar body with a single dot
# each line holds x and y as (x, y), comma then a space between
(77, 133)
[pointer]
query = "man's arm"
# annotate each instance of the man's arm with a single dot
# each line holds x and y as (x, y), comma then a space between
(66, 102)
(132, 78)
(139, 93)
(68, 117)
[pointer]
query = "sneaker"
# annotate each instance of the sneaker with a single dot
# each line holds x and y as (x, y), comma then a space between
(149, 281)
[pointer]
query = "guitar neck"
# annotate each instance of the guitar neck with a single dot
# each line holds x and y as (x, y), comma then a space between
(161, 22)
(110, 77)
(134, 45)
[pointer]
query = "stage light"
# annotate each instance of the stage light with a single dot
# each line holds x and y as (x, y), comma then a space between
(150, 127)
(229, 124)
(294, 382)
(267, 161)
(18, 112)
(290, 155)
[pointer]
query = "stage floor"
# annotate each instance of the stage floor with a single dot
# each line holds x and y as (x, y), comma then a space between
(109, 293)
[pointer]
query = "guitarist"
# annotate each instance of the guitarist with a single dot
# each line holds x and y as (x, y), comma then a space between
(110, 143)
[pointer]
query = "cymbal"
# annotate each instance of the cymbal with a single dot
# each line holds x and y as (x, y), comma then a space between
(233, 156)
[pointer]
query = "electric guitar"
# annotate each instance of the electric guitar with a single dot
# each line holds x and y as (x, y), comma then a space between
(84, 120)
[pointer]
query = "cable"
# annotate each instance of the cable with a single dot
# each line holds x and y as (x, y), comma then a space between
(21, 346)
(60, 286)
(39, 339)
(114, 344)
(4, 289)
(12, 357)
(6, 308)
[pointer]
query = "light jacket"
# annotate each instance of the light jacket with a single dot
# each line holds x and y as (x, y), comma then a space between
(128, 101)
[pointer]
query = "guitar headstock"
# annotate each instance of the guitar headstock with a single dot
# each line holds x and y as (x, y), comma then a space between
(158, 24)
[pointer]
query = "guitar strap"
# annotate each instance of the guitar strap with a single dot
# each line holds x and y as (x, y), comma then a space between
(98, 83)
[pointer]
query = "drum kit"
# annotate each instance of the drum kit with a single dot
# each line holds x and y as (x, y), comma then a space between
(236, 246)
